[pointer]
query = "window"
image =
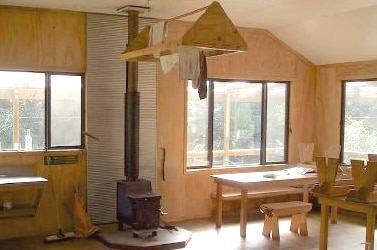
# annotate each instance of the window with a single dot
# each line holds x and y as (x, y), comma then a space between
(240, 124)
(48, 106)
(359, 119)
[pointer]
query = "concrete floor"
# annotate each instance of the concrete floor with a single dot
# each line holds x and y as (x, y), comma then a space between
(349, 233)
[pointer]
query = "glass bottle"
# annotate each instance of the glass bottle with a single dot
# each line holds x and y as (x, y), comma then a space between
(28, 141)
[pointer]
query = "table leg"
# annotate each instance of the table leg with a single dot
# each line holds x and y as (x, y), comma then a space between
(324, 230)
(305, 196)
(243, 215)
(37, 199)
(219, 208)
(369, 237)
(334, 215)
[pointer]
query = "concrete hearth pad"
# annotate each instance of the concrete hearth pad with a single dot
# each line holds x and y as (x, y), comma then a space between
(165, 239)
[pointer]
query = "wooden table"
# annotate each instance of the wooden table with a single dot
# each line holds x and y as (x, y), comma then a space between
(11, 184)
(369, 209)
(257, 181)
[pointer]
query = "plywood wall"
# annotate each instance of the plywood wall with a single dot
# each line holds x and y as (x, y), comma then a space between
(328, 98)
(43, 40)
(187, 194)
(57, 197)
(37, 39)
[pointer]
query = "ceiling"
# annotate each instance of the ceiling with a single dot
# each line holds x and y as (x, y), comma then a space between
(323, 31)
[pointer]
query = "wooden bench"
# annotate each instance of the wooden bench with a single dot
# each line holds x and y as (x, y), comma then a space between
(258, 194)
(298, 211)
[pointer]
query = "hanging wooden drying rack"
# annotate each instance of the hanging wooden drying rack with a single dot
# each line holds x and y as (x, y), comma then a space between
(213, 32)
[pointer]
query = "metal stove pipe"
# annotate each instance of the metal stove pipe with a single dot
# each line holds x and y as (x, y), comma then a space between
(132, 100)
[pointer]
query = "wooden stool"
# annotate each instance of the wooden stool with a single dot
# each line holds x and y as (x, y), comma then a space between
(272, 211)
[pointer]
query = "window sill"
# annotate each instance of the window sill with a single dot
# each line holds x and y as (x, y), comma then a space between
(235, 169)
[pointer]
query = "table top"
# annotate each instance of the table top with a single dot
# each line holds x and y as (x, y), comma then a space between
(255, 179)
(21, 180)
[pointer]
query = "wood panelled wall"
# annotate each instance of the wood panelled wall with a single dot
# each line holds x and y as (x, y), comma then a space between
(328, 98)
(62, 179)
(43, 40)
(185, 194)
(38, 39)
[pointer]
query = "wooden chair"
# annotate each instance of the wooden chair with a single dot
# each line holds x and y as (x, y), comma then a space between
(354, 195)
(364, 177)
(327, 169)
(372, 157)
(333, 151)
(305, 151)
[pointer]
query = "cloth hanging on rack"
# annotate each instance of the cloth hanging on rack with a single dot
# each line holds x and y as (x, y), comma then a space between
(193, 66)
(157, 33)
(202, 79)
(168, 62)
(189, 63)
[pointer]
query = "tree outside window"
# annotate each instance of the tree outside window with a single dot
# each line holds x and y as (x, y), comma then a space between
(359, 119)
(23, 107)
(242, 123)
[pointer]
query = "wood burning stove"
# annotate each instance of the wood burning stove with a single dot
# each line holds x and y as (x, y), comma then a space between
(147, 210)
(138, 206)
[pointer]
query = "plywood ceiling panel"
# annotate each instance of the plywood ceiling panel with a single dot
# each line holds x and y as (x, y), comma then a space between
(323, 31)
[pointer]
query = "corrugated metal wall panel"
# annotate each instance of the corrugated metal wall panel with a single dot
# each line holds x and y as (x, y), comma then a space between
(148, 121)
(106, 84)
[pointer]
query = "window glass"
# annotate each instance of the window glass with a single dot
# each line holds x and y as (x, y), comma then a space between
(65, 110)
(360, 119)
(22, 105)
(197, 129)
(236, 123)
(276, 122)
(24, 109)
